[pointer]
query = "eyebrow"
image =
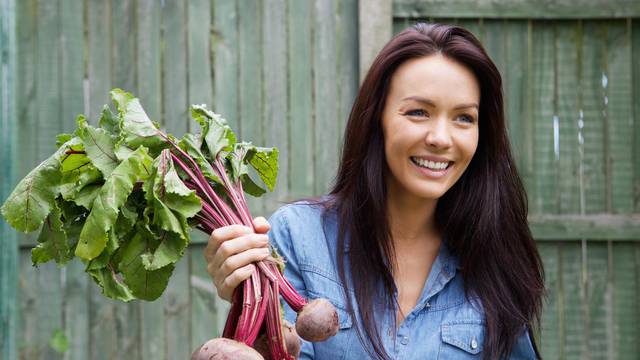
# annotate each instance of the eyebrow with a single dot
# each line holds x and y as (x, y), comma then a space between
(431, 103)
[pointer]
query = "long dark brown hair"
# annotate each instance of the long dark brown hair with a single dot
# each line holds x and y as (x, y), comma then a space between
(482, 217)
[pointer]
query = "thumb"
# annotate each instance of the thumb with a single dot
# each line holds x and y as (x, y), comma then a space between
(261, 225)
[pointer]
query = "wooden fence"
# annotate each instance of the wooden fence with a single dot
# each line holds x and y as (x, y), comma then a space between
(285, 72)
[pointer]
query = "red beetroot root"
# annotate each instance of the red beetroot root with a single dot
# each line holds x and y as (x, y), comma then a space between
(291, 339)
(317, 321)
(225, 349)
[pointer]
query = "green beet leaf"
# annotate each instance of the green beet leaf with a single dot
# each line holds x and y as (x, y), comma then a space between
(32, 200)
(106, 206)
(99, 147)
(53, 243)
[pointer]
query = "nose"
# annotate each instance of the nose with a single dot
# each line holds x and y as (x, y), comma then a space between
(438, 134)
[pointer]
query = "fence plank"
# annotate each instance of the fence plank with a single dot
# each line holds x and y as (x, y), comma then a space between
(148, 70)
(618, 105)
(593, 164)
(301, 175)
(635, 61)
(250, 84)
(28, 345)
(177, 307)
(123, 45)
(347, 56)
(567, 102)
(204, 317)
(76, 310)
(550, 337)
(325, 120)
(626, 292)
(174, 67)
(543, 92)
(199, 49)
(275, 96)
(574, 305)
(71, 62)
(99, 61)
(226, 61)
(597, 343)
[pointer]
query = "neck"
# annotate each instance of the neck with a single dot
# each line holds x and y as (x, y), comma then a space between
(411, 219)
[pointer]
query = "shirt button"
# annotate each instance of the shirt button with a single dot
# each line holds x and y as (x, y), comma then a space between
(404, 340)
(474, 343)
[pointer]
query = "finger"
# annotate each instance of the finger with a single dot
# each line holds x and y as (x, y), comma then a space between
(238, 246)
(243, 259)
(235, 278)
(261, 225)
(220, 235)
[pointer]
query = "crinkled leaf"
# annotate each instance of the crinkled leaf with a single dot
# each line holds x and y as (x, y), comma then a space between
(250, 187)
(72, 182)
(144, 284)
(109, 122)
(112, 285)
(34, 196)
(99, 146)
(63, 138)
(192, 144)
(136, 127)
(74, 158)
(111, 197)
(87, 195)
(52, 241)
(265, 162)
(217, 134)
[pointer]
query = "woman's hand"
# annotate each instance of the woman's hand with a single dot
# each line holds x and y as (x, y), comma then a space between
(230, 252)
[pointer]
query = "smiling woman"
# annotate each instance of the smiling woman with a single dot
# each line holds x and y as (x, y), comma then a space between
(422, 244)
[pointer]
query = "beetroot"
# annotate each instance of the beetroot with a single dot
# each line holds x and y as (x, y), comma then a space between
(291, 339)
(225, 349)
(317, 321)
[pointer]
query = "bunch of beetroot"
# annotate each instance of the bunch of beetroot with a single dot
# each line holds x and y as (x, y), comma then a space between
(123, 197)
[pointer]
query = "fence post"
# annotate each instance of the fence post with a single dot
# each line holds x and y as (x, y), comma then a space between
(8, 238)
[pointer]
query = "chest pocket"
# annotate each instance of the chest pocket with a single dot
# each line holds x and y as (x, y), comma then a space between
(461, 339)
(321, 285)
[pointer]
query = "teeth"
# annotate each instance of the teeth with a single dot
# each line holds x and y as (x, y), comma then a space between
(430, 164)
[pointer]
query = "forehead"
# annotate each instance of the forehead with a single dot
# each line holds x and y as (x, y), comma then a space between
(436, 77)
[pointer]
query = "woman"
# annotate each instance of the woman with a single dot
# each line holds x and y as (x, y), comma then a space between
(423, 243)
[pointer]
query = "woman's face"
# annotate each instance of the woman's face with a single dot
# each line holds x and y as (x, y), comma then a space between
(430, 126)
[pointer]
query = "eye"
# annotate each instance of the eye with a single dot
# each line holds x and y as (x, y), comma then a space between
(467, 118)
(416, 112)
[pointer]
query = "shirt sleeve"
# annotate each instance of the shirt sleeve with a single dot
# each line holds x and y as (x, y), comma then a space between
(280, 239)
(523, 349)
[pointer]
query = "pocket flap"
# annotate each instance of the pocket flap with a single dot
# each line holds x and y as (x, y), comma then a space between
(465, 335)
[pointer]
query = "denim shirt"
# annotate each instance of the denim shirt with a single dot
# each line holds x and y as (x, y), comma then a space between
(443, 324)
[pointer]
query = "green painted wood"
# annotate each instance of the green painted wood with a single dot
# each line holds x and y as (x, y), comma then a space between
(72, 62)
(593, 164)
(543, 92)
(123, 52)
(599, 295)
(301, 175)
(250, 83)
(325, 115)
(28, 345)
(619, 115)
(100, 63)
(275, 96)
(574, 305)
(152, 330)
(567, 101)
(539, 9)
(626, 292)
(592, 227)
(203, 299)
(348, 66)
(226, 61)
(76, 310)
(495, 42)
(199, 74)
(148, 70)
(635, 76)
(177, 309)
(550, 336)
(8, 132)
(174, 67)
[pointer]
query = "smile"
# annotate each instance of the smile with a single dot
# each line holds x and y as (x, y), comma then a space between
(431, 165)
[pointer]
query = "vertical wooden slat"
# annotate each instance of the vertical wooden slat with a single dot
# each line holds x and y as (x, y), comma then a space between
(543, 90)
(226, 61)
(375, 24)
(199, 49)
(301, 98)
(174, 67)
(177, 307)
(76, 310)
(275, 96)
(123, 45)
(8, 131)
(347, 56)
(574, 303)
(567, 104)
(635, 63)
(325, 120)
(599, 301)
(626, 292)
(495, 42)
(550, 340)
(148, 71)
(250, 84)
(204, 314)
(99, 57)
(28, 345)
